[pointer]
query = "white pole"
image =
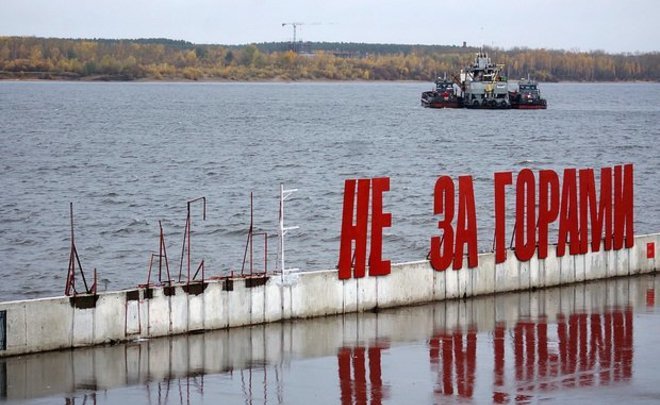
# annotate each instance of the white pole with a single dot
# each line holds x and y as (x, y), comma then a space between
(284, 194)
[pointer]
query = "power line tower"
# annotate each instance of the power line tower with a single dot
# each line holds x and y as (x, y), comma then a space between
(294, 44)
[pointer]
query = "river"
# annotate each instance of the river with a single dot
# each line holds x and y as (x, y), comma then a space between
(128, 155)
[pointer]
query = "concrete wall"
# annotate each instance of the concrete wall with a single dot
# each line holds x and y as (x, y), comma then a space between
(64, 322)
(155, 360)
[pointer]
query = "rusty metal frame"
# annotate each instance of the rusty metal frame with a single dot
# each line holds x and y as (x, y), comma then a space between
(70, 288)
(187, 242)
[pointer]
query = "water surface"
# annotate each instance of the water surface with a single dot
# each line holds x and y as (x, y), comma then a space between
(130, 154)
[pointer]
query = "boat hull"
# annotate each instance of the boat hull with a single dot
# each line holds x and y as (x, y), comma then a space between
(488, 106)
(434, 100)
(530, 107)
(441, 104)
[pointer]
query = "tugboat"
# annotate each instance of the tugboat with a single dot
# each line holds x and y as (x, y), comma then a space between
(443, 96)
(528, 96)
(484, 86)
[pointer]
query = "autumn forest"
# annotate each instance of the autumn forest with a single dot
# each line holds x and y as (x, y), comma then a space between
(163, 59)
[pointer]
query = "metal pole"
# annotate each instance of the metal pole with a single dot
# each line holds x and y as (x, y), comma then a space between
(284, 194)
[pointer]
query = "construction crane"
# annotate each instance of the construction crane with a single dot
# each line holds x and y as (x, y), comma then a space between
(295, 27)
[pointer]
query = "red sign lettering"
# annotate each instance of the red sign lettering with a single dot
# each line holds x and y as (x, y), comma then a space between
(586, 217)
(443, 250)
(357, 232)
(525, 216)
(501, 180)
(548, 207)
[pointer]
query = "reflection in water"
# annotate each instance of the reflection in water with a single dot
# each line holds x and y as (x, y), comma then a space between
(353, 385)
(589, 349)
(552, 344)
(454, 362)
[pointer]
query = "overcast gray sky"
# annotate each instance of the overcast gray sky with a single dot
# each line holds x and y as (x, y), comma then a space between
(610, 25)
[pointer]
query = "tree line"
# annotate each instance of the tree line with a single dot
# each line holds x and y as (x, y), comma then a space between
(164, 59)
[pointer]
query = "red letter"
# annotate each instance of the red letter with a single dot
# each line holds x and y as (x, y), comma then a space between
(568, 219)
(525, 215)
(623, 206)
(443, 203)
(596, 217)
(466, 232)
(502, 179)
(548, 207)
(357, 232)
(587, 200)
(379, 220)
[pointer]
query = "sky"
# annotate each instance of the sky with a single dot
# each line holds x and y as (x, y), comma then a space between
(610, 25)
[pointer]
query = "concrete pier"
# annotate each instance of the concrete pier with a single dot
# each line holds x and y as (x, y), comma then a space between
(66, 322)
(149, 362)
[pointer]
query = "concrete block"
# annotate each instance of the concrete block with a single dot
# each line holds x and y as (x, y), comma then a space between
(257, 304)
(567, 269)
(580, 268)
(535, 275)
(506, 274)
(321, 293)
(273, 310)
(452, 285)
(483, 276)
(239, 301)
(610, 262)
(408, 283)
(367, 293)
(639, 261)
(622, 262)
(83, 327)
(109, 317)
(196, 311)
(524, 275)
(595, 265)
(213, 306)
(158, 307)
(464, 279)
(552, 269)
(439, 285)
(178, 311)
(16, 326)
(287, 301)
(132, 315)
(49, 324)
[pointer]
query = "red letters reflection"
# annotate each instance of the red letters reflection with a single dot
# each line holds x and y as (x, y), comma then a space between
(454, 359)
(591, 350)
(353, 386)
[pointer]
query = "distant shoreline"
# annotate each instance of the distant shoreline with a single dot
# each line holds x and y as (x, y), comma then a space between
(53, 77)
